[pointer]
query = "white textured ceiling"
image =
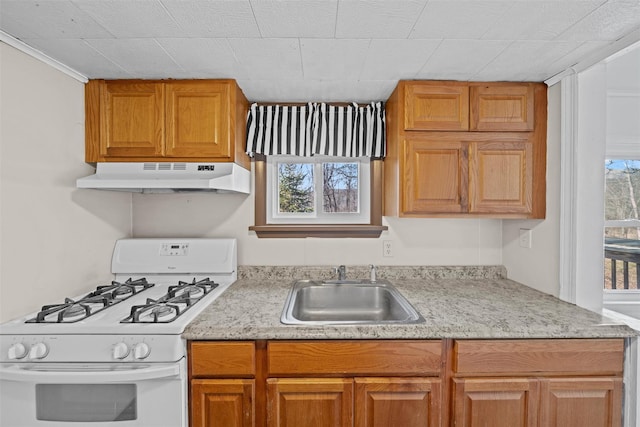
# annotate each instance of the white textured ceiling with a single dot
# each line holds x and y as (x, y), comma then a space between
(319, 50)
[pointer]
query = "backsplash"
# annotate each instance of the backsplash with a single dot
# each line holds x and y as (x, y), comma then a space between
(389, 272)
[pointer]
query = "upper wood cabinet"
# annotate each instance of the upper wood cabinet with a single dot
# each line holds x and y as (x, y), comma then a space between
(436, 106)
(191, 120)
(459, 149)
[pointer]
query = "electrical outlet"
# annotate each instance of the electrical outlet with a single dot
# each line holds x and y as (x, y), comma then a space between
(525, 238)
(387, 248)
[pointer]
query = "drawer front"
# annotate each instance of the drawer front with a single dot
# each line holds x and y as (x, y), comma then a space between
(222, 359)
(335, 358)
(536, 357)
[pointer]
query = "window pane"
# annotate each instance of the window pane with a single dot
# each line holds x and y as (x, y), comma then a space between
(622, 192)
(295, 188)
(622, 233)
(340, 187)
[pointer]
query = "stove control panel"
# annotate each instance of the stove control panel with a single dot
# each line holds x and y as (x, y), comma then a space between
(174, 249)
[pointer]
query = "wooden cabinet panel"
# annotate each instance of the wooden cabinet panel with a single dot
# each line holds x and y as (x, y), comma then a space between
(581, 402)
(562, 356)
(503, 402)
(133, 118)
(222, 359)
(343, 358)
(198, 118)
(502, 107)
(222, 403)
(309, 402)
(430, 106)
(435, 176)
(500, 178)
(397, 402)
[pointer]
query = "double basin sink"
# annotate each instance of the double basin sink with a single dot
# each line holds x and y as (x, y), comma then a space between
(343, 302)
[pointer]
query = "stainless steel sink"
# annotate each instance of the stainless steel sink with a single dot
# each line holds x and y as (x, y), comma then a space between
(347, 302)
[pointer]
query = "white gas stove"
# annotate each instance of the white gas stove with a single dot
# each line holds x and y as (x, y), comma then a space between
(88, 359)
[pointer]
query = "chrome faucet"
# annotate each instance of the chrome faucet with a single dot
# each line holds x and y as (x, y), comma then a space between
(341, 271)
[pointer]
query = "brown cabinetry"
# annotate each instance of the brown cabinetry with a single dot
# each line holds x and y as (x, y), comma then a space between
(137, 120)
(466, 149)
(407, 383)
(545, 383)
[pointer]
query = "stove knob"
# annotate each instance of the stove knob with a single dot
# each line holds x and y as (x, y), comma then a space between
(141, 351)
(38, 351)
(17, 351)
(120, 350)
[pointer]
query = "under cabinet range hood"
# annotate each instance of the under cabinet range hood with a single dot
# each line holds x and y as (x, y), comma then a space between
(161, 177)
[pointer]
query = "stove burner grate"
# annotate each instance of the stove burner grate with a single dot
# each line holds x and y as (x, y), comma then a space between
(103, 297)
(170, 306)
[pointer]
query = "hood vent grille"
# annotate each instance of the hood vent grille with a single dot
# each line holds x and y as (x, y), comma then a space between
(164, 166)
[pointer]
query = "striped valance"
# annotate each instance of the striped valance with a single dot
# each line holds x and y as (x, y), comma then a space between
(317, 128)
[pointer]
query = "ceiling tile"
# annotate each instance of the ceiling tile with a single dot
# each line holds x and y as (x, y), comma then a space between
(219, 18)
(143, 58)
(280, 90)
(296, 18)
(80, 56)
(526, 58)
(325, 59)
(131, 19)
(610, 21)
(458, 19)
(268, 58)
(377, 18)
(461, 59)
(47, 19)
(396, 59)
(200, 58)
(539, 20)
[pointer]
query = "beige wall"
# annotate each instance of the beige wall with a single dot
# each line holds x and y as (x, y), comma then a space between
(539, 266)
(55, 240)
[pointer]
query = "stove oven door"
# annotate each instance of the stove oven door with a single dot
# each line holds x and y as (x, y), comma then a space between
(93, 395)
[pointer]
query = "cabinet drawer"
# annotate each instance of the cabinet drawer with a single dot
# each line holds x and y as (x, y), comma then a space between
(222, 359)
(537, 357)
(335, 358)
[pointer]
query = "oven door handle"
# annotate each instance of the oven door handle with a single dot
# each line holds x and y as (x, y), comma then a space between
(19, 374)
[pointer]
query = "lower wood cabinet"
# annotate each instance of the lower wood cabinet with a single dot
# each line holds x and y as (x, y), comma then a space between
(222, 403)
(407, 383)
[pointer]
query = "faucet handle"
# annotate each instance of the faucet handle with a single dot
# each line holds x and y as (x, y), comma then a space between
(373, 272)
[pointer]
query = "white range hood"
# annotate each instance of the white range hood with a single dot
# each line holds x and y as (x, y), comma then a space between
(160, 177)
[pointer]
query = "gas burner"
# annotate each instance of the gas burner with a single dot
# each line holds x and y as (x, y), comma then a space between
(121, 291)
(71, 311)
(171, 305)
(195, 289)
(103, 297)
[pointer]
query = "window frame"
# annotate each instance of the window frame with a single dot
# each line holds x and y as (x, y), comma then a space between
(318, 216)
(262, 228)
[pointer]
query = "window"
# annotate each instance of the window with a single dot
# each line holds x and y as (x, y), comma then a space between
(318, 169)
(622, 224)
(327, 189)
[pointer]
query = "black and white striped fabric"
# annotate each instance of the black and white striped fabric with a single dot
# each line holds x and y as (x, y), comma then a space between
(317, 128)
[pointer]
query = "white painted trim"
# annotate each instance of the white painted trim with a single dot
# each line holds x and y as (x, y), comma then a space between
(34, 53)
(608, 53)
(568, 187)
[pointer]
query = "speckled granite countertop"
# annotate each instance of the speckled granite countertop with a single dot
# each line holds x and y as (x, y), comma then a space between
(456, 302)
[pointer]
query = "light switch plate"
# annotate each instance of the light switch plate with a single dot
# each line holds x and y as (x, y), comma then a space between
(525, 238)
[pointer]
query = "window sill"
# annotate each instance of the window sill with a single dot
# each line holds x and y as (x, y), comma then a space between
(319, 230)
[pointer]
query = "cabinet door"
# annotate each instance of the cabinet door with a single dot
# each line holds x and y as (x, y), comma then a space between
(581, 402)
(133, 118)
(501, 177)
(436, 107)
(198, 118)
(309, 402)
(506, 107)
(397, 402)
(222, 403)
(435, 176)
(503, 402)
